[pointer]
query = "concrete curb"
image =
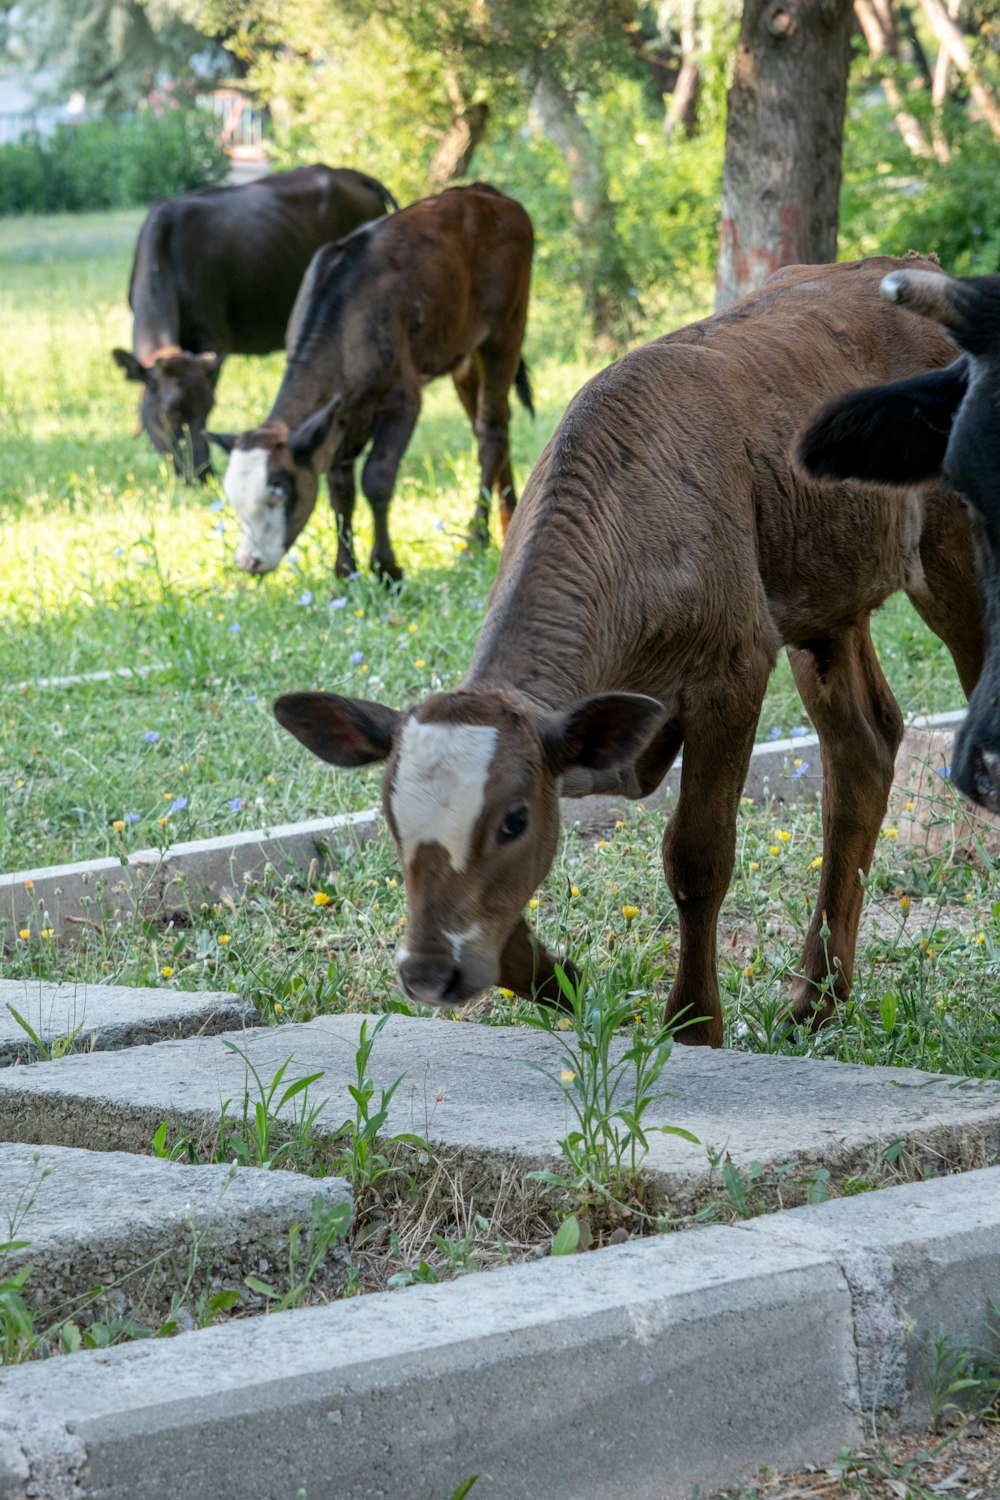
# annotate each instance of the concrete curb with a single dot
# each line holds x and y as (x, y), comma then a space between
(640, 1371)
(154, 881)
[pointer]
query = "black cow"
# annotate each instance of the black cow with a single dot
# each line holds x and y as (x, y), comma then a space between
(944, 423)
(215, 273)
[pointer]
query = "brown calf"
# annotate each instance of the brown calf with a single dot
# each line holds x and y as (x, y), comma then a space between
(664, 551)
(439, 288)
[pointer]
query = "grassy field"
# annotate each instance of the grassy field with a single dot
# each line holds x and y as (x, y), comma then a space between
(108, 563)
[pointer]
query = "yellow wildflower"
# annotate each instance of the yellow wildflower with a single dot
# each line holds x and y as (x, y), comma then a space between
(420, 662)
(167, 971)
(774, 848)
(533, 903)
(748, 971)
(119, 825)
(163, 822)
(574, 890)
(630, 913)
(25, 933)
(754, 864)
(782, 835)
(411, 628)
(567, 1075)
(359, 614)
(980, 937)
(814, 864)
(47, 932)
(224, 938)
(889, 833)
(909, 807)
(321, 899)
(507, 994)
(904, 904)
(279, 1009)
(29, 885)
(564, 1024)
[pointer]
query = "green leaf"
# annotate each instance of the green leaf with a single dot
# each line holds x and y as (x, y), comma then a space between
(262, 1287)
(566, 1239)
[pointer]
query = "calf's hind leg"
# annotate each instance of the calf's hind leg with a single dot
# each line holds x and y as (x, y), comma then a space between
(860, 728)
(483, 387)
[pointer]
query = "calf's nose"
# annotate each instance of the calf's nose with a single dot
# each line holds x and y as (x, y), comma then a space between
(429, 980)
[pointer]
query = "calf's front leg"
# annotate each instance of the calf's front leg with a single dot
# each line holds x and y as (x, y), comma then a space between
(390, 435)
(529, 969)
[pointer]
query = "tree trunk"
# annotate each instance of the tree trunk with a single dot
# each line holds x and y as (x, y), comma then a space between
(458, 144)
(939, 92)
(948, 35)
(604, 278)
(682, 109)
(878, 22)
(784, 136)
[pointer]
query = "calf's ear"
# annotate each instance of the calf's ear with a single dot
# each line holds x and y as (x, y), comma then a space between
(346, 732)
(313, 432)
(602, 733)
(128, 362)
(889, 434)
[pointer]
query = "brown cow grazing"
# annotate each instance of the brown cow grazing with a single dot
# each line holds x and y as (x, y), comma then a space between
(216, 272)
(940, 424)
(440, 288)
(663, 552)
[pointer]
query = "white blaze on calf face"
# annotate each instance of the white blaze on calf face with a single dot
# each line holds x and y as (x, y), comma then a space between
(262, 525)
(440, 786)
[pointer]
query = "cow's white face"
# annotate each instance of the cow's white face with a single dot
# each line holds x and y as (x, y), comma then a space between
(259, 508)
(471, 796)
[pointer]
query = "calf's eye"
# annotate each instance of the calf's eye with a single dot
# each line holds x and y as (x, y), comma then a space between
(276, 494)
(513, 825)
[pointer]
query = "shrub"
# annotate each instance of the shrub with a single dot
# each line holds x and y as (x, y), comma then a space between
(111, 163)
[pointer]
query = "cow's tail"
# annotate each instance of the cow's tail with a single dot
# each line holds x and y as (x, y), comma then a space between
(391, 206)
(522, 385)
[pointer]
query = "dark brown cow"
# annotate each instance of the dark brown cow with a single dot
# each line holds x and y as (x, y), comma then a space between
(216, 272)
(664, 551)
(439, 288)
(942, 423)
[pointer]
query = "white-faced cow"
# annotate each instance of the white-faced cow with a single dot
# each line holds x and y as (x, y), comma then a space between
(216, 272)
(439, 288)
(663, 552)
(939, 424)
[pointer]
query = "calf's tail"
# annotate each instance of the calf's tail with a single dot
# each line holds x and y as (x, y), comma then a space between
(522, 384)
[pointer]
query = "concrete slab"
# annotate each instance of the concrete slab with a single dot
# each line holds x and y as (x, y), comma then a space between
(631, 1373)
(143, 1229)
(638, 1372)
(89, 1017)
(919, 1259)
(157, 882)
(474, 1091)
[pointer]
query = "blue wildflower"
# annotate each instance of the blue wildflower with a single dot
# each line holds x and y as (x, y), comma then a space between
(800, 770)
(131, 818)
(774, 733)
(178, 804)
(251, 697)
(216, 506)
(235, 629)
(151, 736)
(357, 657)
(798, 730)
(236, 803)
(340, 603)
(305, 598)
(943, 771)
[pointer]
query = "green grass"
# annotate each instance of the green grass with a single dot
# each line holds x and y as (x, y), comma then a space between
(109, 563)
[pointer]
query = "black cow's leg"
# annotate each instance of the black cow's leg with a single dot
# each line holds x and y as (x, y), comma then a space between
(699, 846)
(860, 728)
(342, 495)
(392, 431)
(491, 423)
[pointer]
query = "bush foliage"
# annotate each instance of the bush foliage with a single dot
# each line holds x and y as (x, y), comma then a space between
(111, 163)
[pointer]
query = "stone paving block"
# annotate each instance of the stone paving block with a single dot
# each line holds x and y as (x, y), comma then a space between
(471, 1090)
(88, 1017)
(918, 1258)
(633, 1373)
(141, 1228)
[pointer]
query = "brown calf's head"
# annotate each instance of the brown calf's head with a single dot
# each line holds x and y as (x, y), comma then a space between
(272, 480)
(471, 794)
(178, 390)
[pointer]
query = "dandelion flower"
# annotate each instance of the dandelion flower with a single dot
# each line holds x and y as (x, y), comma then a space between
(980, 937)
(420, 662)
(321, 899)
(167, 971)
(359, 614)
(774, 849)
(224, 937)
(29, 885)
(574, 890)
(904, 904)
(890, 833)
(815, 864)
(119, 825)
(748, 971)
(279, 1009)
(412, 629)
(630, 913)
(47, 932)
(782, 835)
(507, 994)
(25, 933)
(163, 822)
(567, 1075)
(533, 903)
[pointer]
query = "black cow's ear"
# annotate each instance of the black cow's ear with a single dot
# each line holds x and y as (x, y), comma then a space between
(602, 733)
(224, 440)
(888, 434)
(128, 362)
(312, 433)
(346, 732)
